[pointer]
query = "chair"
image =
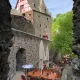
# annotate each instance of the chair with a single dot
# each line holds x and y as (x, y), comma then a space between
(31, 78)
(23, 77)
(36, 69)
(42, 79)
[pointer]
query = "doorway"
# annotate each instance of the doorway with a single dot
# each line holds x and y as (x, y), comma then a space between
(20, 59)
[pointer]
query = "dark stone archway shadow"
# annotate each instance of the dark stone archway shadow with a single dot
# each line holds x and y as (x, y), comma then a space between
(5, 38)
(20, 59)
(76, 27)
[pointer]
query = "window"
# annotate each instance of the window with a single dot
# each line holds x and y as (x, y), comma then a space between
(39, 16)
(23, 14)
(45, 10)
(21, 7)
(46, 26)
(34, 5)
(29, 14)
(40, 25)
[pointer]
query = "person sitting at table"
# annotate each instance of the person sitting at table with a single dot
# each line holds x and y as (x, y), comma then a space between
(23, 77)
(54, 66)
(44, 65)
(57, 68)
(37, 65)
(52, 76)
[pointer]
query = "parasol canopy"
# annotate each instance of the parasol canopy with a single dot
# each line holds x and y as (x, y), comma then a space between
(27, 66)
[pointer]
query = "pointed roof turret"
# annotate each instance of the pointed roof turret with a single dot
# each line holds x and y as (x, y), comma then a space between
(39, 5)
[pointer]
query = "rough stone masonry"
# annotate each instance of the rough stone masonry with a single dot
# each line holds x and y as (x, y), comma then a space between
(5, 38)
(76, 27)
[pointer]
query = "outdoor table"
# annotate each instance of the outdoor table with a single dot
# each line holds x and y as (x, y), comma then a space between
(34, 74)
(27, 66)
(52, 76)
(45, 75)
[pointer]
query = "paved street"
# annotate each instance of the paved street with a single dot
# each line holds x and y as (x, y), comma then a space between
(70, 73)
(18, 75)
(77, 77)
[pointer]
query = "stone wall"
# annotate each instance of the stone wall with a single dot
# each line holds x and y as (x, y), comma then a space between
(42, 24)
(5, 38)
(76, 27)
(76, 19)
(31, 45)
(20, 23)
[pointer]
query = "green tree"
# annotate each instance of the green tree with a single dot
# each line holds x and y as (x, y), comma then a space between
(62, 33)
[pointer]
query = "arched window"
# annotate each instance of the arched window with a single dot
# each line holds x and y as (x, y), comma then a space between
(45, 9)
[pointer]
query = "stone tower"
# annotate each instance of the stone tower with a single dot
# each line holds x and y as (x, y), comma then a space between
(38, 14)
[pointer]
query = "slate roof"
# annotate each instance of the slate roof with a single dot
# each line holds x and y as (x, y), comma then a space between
(37, 6)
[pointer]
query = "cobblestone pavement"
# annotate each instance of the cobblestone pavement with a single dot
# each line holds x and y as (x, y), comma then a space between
(17, 76)
(70, 73)
(77, 77)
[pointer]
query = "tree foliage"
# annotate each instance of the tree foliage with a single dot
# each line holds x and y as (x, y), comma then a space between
(62, 33)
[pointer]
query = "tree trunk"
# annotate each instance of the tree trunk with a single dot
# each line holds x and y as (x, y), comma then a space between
(5, 38)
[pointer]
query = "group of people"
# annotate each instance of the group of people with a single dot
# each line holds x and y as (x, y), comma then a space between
(50, 72)
(58, 68)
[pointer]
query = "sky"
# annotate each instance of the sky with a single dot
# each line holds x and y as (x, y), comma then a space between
(54, 6)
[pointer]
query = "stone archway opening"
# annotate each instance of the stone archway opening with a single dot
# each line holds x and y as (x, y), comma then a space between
(20, 59)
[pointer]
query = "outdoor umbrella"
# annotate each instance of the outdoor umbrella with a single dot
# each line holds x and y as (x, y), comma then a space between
(41, 54)
(47, 56)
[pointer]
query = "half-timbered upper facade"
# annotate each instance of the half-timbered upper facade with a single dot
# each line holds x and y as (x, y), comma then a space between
(23, 6)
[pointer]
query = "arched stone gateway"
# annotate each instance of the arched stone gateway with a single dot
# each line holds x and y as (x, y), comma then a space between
(20, 59)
